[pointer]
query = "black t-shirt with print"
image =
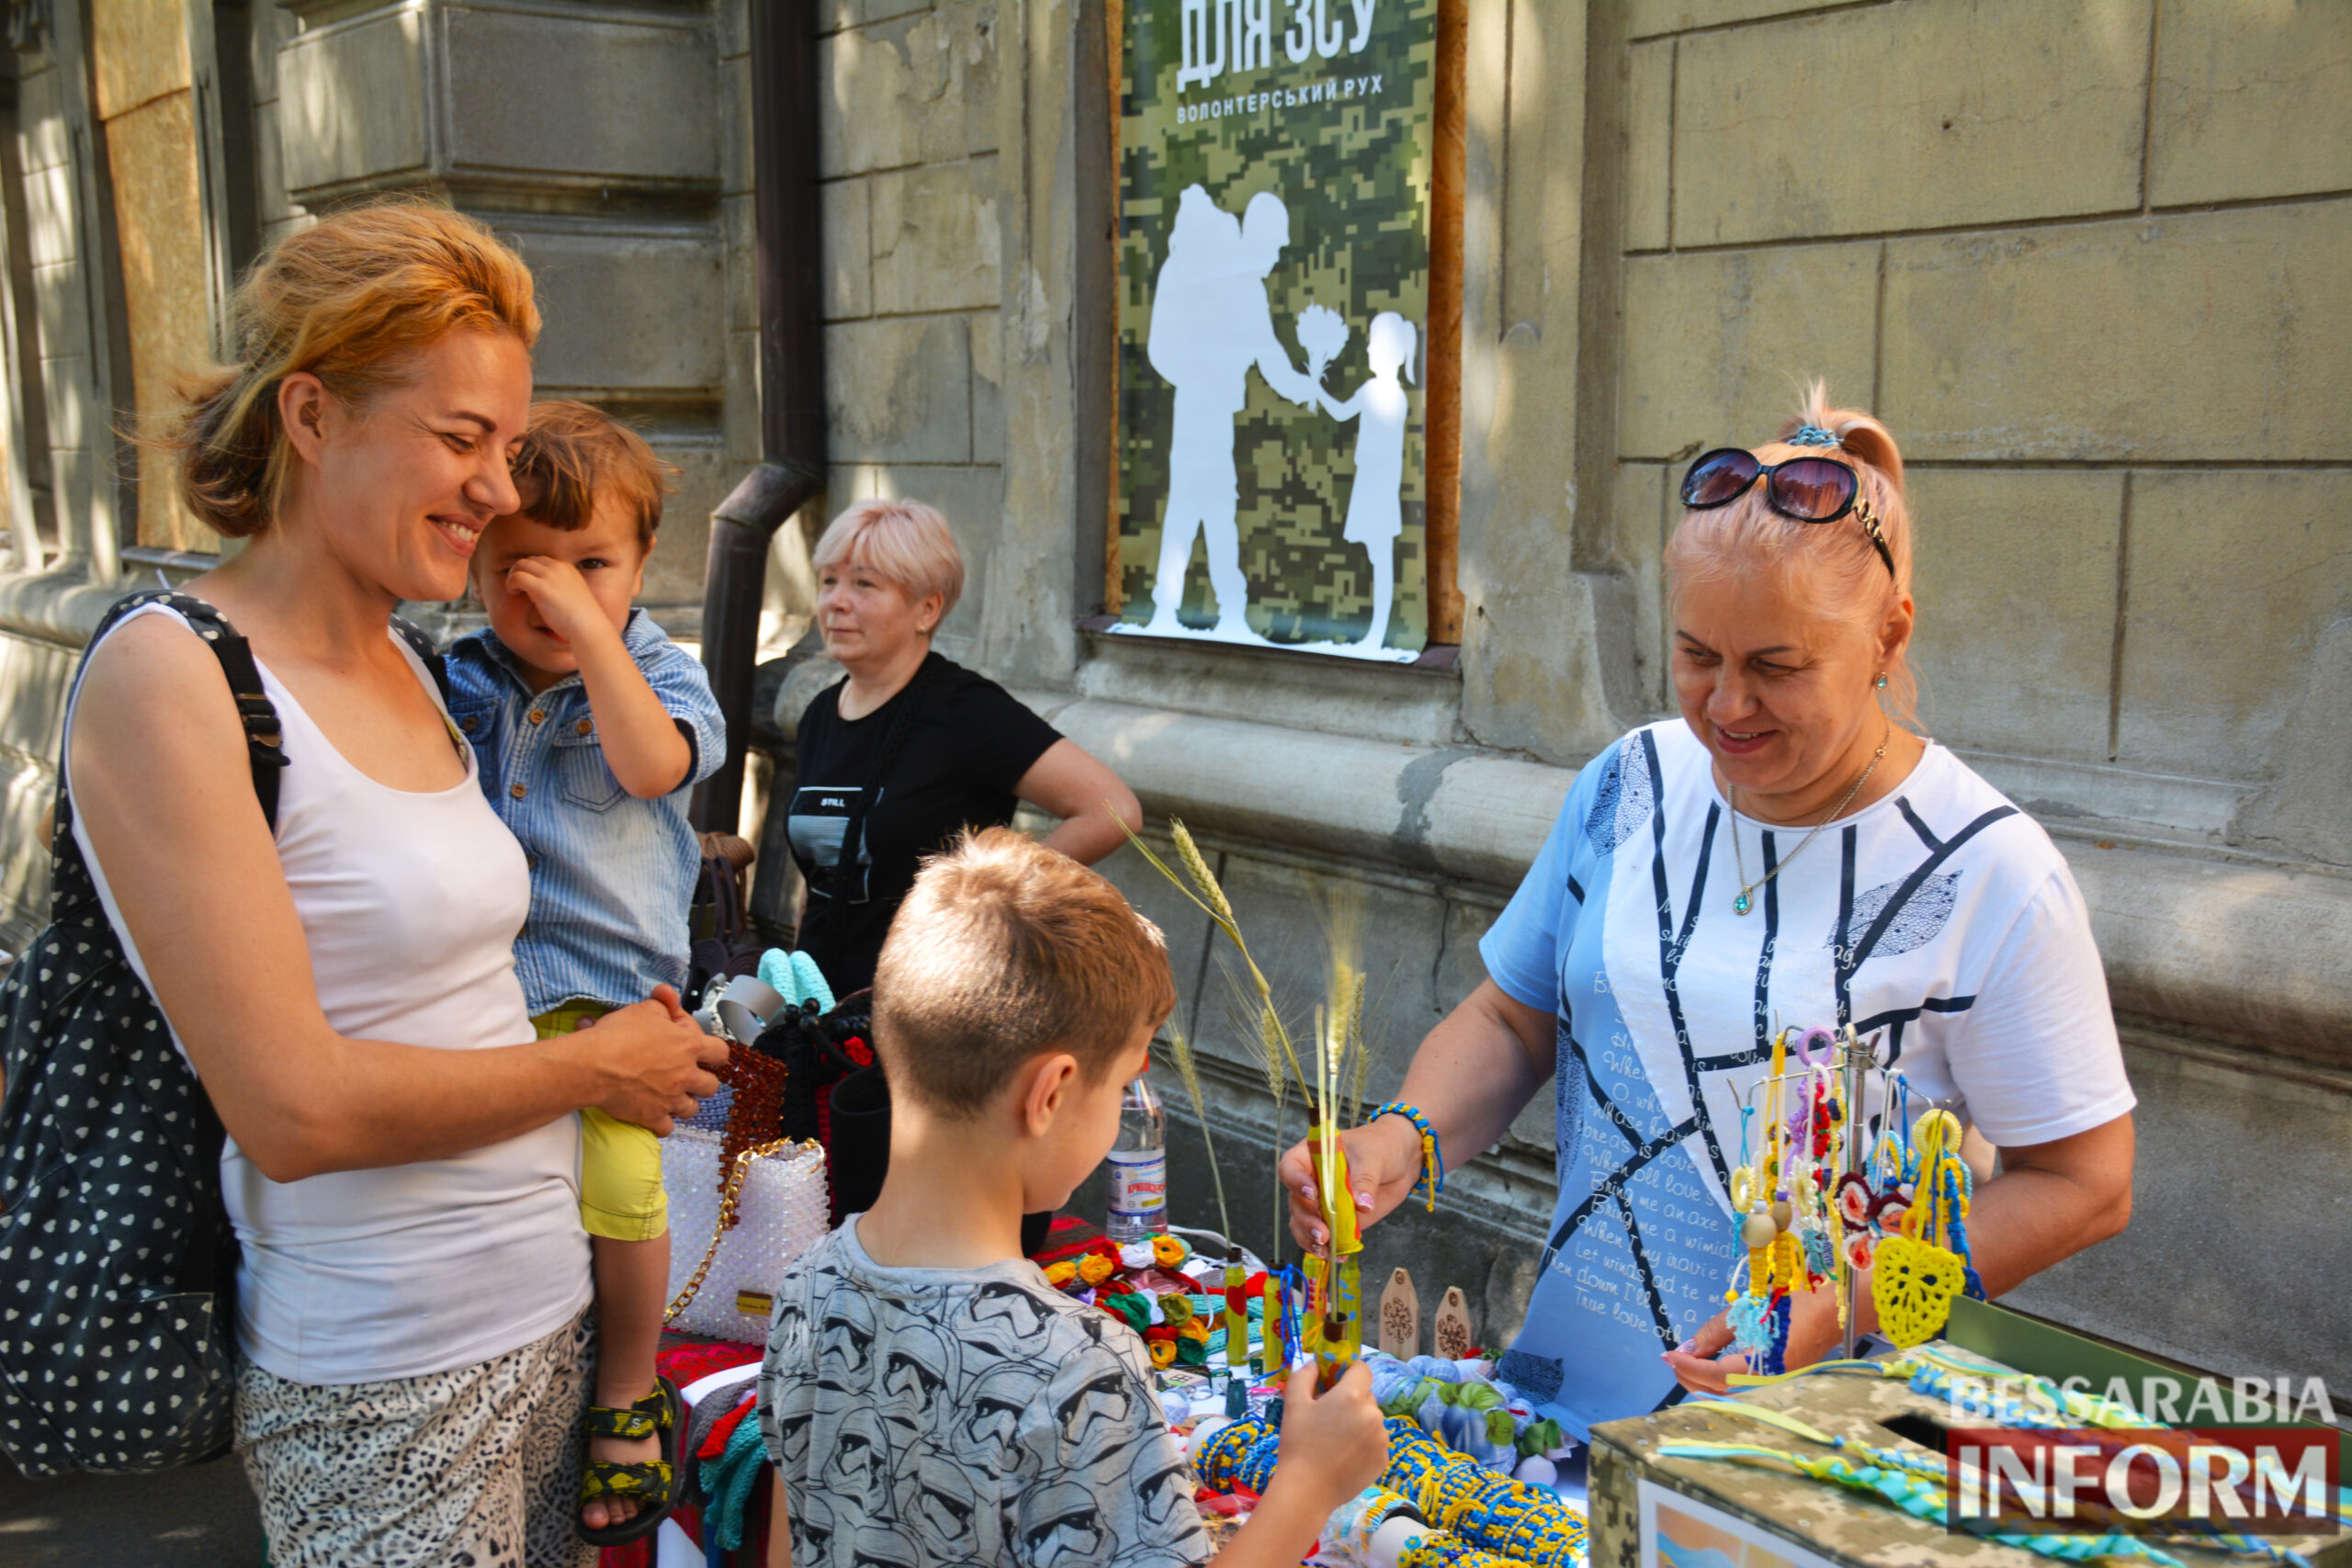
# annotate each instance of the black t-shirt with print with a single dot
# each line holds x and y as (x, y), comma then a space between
(967, 746)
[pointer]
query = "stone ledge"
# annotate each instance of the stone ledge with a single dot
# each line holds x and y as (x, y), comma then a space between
(60, 605)
(2243, 952)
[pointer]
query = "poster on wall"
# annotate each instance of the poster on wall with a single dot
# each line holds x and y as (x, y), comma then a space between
(1275, 163)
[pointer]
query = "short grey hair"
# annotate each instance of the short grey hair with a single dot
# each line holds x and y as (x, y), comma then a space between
(903, 542)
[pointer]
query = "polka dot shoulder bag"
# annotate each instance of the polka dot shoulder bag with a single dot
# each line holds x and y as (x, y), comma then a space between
(118, 1265)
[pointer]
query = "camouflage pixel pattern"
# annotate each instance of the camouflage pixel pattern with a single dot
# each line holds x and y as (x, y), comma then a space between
(1353, 168)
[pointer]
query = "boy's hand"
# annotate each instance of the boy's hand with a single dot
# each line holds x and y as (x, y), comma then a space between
(1335, 1444)
(560, 595)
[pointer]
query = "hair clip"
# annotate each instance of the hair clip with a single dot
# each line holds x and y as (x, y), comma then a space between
(1869, 520)
(1813, 436)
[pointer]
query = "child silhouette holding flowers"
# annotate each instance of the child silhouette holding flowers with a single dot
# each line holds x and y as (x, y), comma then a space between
(1375, 505)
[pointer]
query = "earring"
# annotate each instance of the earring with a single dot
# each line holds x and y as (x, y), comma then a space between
(1880, 685)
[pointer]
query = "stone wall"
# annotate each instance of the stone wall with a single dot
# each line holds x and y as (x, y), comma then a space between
(611, 146)
(69, 380)
(2095, 283)
(914, 250)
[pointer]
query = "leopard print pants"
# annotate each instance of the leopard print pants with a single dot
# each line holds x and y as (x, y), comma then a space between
(476, 1468)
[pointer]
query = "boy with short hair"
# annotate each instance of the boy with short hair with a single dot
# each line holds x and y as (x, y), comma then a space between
(590, 726)
(927, 1397)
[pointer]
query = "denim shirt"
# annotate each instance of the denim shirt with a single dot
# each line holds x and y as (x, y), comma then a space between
(611, 876)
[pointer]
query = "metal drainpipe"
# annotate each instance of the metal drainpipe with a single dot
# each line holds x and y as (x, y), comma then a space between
(790, 263)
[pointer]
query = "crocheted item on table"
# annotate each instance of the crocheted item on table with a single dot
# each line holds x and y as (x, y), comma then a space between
(730, 1480)
(1068, 1237)
(723, 1431)
(687, 1359)
(1474, 1509)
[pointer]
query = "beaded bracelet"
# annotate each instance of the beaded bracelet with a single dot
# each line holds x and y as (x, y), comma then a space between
(1431, 1181)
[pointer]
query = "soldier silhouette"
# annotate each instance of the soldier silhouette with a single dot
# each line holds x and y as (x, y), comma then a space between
(1210, 322)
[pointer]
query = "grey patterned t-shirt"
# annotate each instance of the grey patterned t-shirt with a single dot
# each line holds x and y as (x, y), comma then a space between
(949, 1415)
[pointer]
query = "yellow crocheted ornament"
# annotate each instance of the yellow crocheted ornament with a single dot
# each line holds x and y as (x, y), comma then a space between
(1913, 1283)
(1094, 1268)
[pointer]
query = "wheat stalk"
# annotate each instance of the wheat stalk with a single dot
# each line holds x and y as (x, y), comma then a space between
(1211, 901)
(1270, 1062)
(1196, 866)
(1199, 884)
(1189, 1070)
(1365, 1052)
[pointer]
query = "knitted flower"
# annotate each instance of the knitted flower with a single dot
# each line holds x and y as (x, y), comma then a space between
(1130, 1307)
(1176, 1310)
(1059, 1275)
(1094, 1268)
(1163, 1353)
(1168, 1251)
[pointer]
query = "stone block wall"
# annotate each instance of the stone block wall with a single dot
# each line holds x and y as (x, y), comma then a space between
(610, 145)
(2095, 283)
(914, 280)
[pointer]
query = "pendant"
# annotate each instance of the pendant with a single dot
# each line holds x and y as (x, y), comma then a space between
(1742, 904)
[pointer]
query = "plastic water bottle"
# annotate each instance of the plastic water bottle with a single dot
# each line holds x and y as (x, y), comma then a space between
(1138, 1167)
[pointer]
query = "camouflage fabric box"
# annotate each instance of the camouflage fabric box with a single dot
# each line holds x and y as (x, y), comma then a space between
(1818, 1521)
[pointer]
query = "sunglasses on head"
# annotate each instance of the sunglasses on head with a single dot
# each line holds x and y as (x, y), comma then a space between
(1806, 490)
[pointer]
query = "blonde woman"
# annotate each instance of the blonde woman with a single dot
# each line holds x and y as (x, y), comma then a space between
(909, 748)
(412, 1300)
(1789, 850)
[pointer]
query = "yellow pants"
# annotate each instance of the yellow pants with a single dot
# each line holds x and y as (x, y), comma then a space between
(620, 1162)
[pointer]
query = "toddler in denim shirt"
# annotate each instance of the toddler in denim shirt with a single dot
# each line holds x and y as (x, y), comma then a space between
(592, 728)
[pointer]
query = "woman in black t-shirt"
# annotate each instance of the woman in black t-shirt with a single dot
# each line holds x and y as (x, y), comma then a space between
(911, 748)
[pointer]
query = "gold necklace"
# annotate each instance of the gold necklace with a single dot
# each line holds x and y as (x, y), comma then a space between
(1746, 901)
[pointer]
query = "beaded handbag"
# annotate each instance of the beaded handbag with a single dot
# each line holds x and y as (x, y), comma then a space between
(767, 1207)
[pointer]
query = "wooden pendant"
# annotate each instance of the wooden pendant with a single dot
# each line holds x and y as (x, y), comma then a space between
(1400, 1317)
(1453, 1335)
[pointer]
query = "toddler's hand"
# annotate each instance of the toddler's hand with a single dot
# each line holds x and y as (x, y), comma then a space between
(560, 595)
(1335, 1444)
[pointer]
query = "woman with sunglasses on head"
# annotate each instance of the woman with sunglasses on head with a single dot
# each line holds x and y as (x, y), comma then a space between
(1789, 852)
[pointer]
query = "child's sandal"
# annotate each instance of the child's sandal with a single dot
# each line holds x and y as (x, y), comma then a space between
(656, 1486)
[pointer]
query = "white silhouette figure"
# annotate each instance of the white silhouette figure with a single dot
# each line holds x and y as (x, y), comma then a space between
(1375, 504)
(1210, 322)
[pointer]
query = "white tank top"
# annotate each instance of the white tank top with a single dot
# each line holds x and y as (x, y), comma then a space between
(409, 903)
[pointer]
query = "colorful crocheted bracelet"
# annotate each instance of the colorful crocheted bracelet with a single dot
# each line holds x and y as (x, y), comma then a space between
(1431, 1181)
